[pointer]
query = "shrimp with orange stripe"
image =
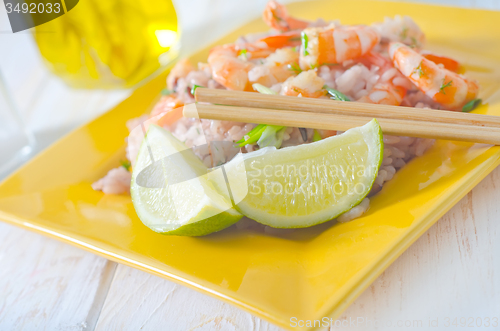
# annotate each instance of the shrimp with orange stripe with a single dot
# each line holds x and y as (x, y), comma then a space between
(320, 45)
(230, 64)
(451, 90)
(335, 44)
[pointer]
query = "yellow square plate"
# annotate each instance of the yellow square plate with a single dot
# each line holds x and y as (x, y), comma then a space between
(307, 273)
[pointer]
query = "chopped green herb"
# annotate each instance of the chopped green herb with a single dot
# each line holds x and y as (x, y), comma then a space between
(198, 130)
(126, 164)
(251, 133)
(413, 41)
(471, 105)
(404, 33)
(444, 85)
(263, 89)
(418, 70)
(194, 88)
(166, 91)
(253, 136)
(294, 67)
(305, 42)
(316, 136)
(262, 134)
(271, 136)
(277, 18)
(336, 95)
(242, 54)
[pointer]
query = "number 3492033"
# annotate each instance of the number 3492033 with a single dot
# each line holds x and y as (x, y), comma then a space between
(33, 8)
(471, 322)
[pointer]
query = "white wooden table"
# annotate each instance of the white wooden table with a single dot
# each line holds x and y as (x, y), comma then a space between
(452, 271)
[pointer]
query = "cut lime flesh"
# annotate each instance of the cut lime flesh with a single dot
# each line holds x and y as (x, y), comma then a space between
(305, 185)
(180, 198)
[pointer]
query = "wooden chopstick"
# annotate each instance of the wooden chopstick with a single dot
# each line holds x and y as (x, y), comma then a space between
(460, 132)
(258, 100)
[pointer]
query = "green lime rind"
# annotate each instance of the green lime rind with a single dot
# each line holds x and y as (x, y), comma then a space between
(207, 226)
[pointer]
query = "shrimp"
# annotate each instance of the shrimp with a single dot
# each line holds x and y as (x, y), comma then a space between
(306, 84)
(228, 69)
(447, 62)
(276, 67)
(276, 16)
(443, 86)
(255, 50)
(391, 87)
(166, 112)
(166, 104)
(335, 44)
(261, 74)
(385, 94)
(290, 38)
(180, 70)
(232, 68)
(376, 59)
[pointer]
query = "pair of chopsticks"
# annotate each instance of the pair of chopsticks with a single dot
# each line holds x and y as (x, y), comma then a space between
(250, 107)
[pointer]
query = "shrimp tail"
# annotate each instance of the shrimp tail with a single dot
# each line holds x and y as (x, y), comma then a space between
(285, 39)
(276, 16)
(447, 62)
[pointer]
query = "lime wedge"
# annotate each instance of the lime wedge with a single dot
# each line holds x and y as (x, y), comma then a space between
(304, 185)
(173, 191)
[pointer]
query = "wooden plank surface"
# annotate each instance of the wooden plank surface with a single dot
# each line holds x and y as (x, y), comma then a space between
(45, 284)
(451, 271)
(138, 301)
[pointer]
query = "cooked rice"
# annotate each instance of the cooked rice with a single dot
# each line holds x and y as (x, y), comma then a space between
(117, 181)
(355, 80)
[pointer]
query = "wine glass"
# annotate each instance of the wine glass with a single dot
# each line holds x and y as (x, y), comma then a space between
(17, 142)
(110, 44)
